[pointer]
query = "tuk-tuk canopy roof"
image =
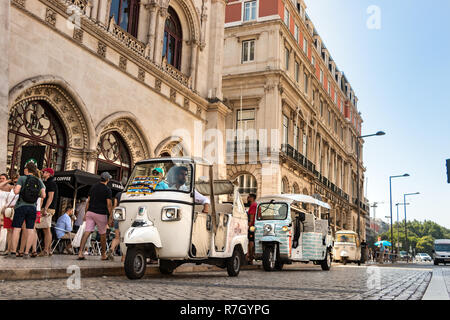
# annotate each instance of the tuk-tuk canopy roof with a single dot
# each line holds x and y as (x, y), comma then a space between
(295, 198)
(220, 187)
(196, 160)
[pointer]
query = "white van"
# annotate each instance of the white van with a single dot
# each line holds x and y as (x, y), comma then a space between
(441, 251)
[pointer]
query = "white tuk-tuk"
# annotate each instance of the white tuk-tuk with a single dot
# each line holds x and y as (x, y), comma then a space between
(159, 218)
(347, 247)
(285, 231)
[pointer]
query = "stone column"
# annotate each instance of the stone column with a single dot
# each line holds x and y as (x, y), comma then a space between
(159, 35)
(4, 81)
(94, 9)
(103, 12)
(153, 8)
(193, 67)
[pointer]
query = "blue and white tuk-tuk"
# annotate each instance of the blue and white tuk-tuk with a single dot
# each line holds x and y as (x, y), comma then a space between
(292, 227)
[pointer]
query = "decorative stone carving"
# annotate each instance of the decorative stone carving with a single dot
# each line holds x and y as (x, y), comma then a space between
(173, 94)
(19, 3)
(141, 74)
(158, 85)
(78, 34)
(50, 17)
(125, 38)
(75, 165)
(101, 49)
(186, 102)
(176, 74)
(123, 63)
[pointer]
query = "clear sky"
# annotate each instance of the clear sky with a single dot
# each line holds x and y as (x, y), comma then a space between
(400, 75)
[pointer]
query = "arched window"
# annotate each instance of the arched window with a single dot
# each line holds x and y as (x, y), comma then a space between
(126, 14)
(35, 129)
(173, 37)
(284, 185)
(114, 157)
(247, 184)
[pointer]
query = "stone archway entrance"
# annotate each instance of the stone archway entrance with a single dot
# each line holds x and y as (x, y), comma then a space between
(45, 117)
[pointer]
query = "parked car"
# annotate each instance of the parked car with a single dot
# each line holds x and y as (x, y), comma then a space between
(422, 257)
(404, 256)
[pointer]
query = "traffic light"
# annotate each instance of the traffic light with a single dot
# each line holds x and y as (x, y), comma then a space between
(448, 170)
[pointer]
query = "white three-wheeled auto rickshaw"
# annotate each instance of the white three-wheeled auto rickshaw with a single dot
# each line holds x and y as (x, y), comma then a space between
(347, 247)
(285, 231)
(159, 218)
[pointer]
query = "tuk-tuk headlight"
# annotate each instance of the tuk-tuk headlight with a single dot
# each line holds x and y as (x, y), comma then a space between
(170, 214)
(285, 228)
(252, 229)
(119, 214)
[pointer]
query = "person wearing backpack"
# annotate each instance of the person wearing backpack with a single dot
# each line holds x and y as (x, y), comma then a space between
(29, 188)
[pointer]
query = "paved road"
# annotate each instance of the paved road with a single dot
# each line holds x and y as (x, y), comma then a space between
(300, 282)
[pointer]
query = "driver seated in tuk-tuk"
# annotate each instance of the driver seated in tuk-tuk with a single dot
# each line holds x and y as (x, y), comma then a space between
(180, 175)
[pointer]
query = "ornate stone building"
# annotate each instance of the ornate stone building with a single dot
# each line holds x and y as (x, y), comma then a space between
(98, 85)
(279, 76)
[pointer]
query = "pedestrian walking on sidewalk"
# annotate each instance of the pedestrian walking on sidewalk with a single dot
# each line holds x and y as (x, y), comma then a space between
(98, 213)
(9, 201)
(116, 241)
(29, 188)
(48, 209)
(251, 199)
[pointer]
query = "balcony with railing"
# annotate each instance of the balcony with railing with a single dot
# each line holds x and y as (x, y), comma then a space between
(242, 147)
(308, 165)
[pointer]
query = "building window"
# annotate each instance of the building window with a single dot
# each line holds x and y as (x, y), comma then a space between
(248, 51)
(329, 117)
(126, 14)
(296, 137)
(284, 185)
(329, 89)
(335, 97)
(173, 38)
(321, 108)
(321, 76)
(114, 157)
(247, 184)
(305, 46)
(296, 32)
(286, 17)
(287, 58)
(245, 120)
(305, 76)
(249, 10)
(285, 129)
(305, 145)
(313, 61)
(335, 125)
(297, 71)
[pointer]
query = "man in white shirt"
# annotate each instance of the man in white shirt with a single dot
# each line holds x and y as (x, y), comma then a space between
(180, 184)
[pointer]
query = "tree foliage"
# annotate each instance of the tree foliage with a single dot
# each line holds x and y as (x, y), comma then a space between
(421, 235)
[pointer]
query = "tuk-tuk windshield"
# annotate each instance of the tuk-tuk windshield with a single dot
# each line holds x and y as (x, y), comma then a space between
(160, 176)
(272, 211)
(346, 238)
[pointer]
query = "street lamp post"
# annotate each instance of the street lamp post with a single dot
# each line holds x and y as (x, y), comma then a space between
(390, 201)
(406, 229)
(379, 133)
(398, 225)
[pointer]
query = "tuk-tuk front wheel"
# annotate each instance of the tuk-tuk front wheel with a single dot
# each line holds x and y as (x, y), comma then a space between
(234, 263)
(269, 257)
(326, 263)
(135, 263)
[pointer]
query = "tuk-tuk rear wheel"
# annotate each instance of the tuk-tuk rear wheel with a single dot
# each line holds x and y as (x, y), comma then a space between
(234, 263)
(135, 263)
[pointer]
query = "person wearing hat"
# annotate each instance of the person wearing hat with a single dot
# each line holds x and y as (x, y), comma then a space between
(48, 209)
(161, 185)
(98, 213)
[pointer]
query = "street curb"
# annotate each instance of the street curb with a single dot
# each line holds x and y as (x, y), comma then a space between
(93, 272)
(437, 289)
